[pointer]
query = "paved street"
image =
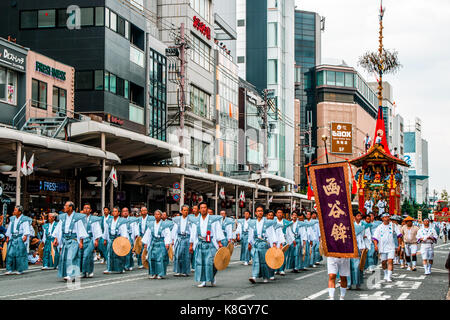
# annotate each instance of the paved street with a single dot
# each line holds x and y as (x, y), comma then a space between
(232, 283)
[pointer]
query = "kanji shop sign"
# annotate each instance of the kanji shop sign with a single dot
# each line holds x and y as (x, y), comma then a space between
(203, 28)
(341, 138)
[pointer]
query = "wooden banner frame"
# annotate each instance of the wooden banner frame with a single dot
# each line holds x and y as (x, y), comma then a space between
(312, 174)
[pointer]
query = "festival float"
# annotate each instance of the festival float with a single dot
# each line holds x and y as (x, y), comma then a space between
(378, 177)
(441, 212)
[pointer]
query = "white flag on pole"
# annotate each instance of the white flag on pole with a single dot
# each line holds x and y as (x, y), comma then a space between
(23, 167)
(222, 193)
(242, 196)
(113, 177)
(270, 199)
(30, 165)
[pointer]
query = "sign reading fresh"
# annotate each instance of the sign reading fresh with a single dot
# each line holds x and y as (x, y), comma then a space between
(53, 72)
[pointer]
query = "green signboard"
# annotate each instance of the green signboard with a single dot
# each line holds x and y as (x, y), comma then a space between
(55, 73)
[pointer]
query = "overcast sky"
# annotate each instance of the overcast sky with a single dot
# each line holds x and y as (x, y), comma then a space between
(420, 31)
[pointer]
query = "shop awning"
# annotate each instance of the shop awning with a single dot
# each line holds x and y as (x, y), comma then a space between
(125, 143)
(50, 153)
(274, 180)
(165, 177)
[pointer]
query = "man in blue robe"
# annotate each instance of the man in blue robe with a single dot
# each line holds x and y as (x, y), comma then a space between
(194, 215)
(132, 234)
(70, 234)
(227, 228)
(101, 247)
(94, 232)
(181, 234)
(17, 238)
(242, 236)
(206, 239)
(115, 227)
(142, 226)
(283, 224)
(47, 239)
(261, 237)
(157, 240)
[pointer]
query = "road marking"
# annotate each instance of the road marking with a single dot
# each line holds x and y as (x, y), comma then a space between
(245, 297)
(309, 275)
(376, 296)
(65, 286)
(403, 296)
(318, 294)
(442, 245)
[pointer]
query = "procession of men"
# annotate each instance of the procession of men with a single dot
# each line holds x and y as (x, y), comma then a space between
(193, 239)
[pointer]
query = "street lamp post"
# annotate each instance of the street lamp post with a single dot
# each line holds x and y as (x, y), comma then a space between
(324, 138)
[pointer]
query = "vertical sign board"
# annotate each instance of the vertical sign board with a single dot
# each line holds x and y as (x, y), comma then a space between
(330, 184)
(341, 138)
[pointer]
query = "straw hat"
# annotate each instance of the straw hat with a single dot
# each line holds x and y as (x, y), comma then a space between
(222, 258)
(285, 248)
(144, 258)
(274, 258)
(170, 252)
(408, 218)
(137, 248)
(230, 247)
(121, 246)
(4, 251)
(41, 250)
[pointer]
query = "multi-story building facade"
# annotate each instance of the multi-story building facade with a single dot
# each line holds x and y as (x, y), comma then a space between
(107, 43)
(346, 111)
(308, 28)
(416, 155)
(265, 56)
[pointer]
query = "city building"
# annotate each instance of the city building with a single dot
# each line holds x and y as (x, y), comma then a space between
(416, 155)
(308, 35)
(104, 41)
(251, 128)
(346, 111)
(265, 56)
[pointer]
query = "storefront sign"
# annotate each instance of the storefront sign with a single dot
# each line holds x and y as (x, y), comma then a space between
(341, 138)
(53, 72)
(12, 58)
(172, 52)
(203, 28)
(48, 186)
(115, 120)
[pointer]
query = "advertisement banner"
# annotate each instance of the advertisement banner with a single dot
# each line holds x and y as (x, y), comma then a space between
(334, 209)
(341, 138)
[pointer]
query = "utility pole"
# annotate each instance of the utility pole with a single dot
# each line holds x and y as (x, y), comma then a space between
(266, 133)
(182, 47)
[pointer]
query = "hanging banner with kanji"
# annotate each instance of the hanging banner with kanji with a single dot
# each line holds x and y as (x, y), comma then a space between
(331, 191)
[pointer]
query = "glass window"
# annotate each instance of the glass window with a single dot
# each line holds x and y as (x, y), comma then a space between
(127, 29)
(272, 4)
(98, 80)
(46, 18)
(106, 81)
(59, 100)
(113, 22)
(2, 84)
(99, 16)
(320, 80)
(107, 15)
(272, 34)
(62, 18)
(121, 26)
(331, 78)
(112, 83)
(28, 19)
(11, 90)
(126, 89)
(120, 86)
(39, 94)
(349, 79)
(136, 56)
(272, 71)
(339, 79)
(84, 80)
(136, 114)
(87, 16)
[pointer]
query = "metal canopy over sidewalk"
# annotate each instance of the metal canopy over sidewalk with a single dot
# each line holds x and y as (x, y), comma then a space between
(50, 153)
(273, 180)
(126, 144)
(199, 181)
